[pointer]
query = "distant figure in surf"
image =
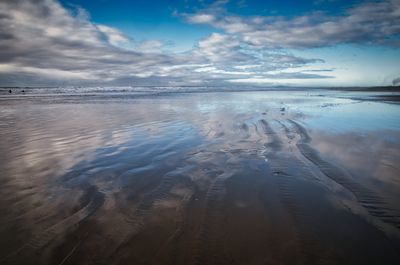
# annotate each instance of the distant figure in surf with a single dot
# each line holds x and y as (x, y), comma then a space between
(9, 91)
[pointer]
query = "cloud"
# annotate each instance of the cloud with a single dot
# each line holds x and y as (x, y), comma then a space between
(150, 46)
(220, 48)
(201, 19)
(42, 37)
(113, 36)
(42, 43)
(371, 22)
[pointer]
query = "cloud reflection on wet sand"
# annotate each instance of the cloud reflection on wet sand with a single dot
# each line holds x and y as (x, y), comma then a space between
(187, 179)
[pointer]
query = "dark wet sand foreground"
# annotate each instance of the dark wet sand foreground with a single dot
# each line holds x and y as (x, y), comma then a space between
(205, 178)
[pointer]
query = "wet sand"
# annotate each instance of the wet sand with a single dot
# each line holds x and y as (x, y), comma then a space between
(306, 177)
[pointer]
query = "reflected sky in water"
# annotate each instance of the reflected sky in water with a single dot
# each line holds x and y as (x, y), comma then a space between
(126, 165)
(50, 137)
(349, 115)
(71, 131)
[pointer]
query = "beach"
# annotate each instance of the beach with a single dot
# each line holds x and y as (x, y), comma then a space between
(248, 177)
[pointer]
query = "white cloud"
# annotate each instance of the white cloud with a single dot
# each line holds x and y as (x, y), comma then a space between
(152, 46)
(114, 36)
(373, 22)
(201, 18)
(42, 37)
(43, 43)
(221, 48)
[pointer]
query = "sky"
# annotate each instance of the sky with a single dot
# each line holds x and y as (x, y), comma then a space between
(199, 43)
